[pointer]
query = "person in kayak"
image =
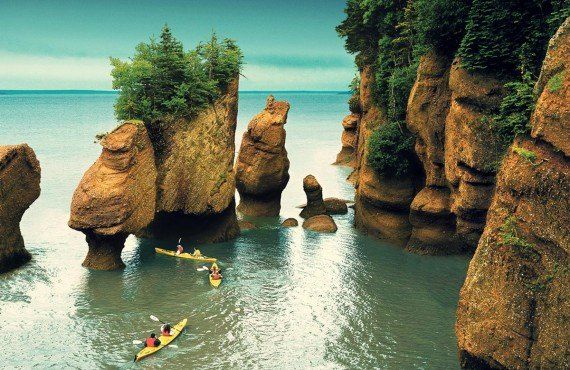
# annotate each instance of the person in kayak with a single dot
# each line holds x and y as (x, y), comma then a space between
(179, 249)
(165, 330)
(197, 253)
(152, 341)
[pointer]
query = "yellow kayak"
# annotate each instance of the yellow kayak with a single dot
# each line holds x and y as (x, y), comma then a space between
(185, 255)
(164, 341)
(215, 282)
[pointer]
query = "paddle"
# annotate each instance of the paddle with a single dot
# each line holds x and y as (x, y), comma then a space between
(203, 268)
(154, 318)
(139, 342)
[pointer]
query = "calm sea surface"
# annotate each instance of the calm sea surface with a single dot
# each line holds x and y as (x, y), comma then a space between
(290, 299)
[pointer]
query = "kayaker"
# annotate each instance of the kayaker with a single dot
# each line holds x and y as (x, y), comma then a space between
(215, 270)
(152, 341)
(179, 249)
(165, 330)
(197, 253)
(216, 275)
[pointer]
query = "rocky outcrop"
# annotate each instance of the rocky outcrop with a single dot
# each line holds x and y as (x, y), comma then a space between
(514, 307)
(262, 164)
(382, 204)
(335, 206)
(196, 181)
(19, 188)
(433, 223)
(347, 155)
(314, 192)
(290, 222)
(321, 224)
(116, 196)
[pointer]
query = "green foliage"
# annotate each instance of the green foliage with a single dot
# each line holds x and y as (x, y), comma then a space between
(163, 80)
(440, 24)
(555, 83)
(390, 150)
(510, 236)
(507, 36)
(529, 155)
(354, 104)
(354, 86)
(516, 108)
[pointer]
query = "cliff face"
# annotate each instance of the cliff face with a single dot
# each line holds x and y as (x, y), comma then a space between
(514, 308)
(116, 196)
(262, 168)
(382, 204)
(196, 181)
(19, 188)
(448, 111)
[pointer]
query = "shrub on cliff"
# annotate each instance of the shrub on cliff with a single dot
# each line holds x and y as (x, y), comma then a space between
(164, 80)
(391, 150)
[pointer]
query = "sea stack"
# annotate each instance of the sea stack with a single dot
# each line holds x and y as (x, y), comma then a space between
(19, 188)
(262, 164)
(314, 192)
(116, 196)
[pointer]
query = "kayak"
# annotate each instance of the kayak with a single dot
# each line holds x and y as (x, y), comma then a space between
(164, 341)
(215, 283)
(185, 255)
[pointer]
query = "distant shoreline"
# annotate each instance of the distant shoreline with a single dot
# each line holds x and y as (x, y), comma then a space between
(113, 92)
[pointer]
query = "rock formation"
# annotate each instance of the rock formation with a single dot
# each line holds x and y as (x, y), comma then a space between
(514, 308)
(382, 204)
(433, 222)
(290, 222)
(321, 224)
(262, 164)
(170, 177)
(196, 181)
(335, 206)
(19, 188)
(116, 196)
(314, 191)
(347, 155)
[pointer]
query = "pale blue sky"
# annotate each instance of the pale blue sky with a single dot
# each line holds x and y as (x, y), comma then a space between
(288, 45)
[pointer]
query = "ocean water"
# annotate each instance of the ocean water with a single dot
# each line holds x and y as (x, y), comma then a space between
(290, 299)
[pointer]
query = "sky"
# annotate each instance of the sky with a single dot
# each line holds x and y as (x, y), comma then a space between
(61, 44)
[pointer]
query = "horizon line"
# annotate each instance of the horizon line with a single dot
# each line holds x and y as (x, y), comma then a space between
(116, 91)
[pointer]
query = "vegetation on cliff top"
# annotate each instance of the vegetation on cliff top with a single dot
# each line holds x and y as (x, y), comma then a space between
(162, 79)
(506, 38)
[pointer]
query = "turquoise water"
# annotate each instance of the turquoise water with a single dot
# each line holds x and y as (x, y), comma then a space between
(290, 299)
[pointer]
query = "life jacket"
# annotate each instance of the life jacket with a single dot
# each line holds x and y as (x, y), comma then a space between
(164, 332)
(150, 342)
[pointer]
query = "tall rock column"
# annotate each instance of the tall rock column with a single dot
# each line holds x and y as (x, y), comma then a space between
(347, 155)
(116, 196)
(428, 105)
(472, 150)
(19, 188)
(262, 164)
(514, 307)
(196, 179)
(382, 204)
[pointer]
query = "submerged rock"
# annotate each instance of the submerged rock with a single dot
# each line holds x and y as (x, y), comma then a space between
(514, 306)
(116, 196)
(290, 222)
(246, 225)
(262, 165)
(314, 192)
(19, 188)
(320, 223)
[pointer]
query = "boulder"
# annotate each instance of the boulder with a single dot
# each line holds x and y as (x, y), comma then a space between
(116, 196)
(262, 165)
(321, 224)
(290, 222)
(314, 192)
(335, 206)
(514, 306)
(19, 188)
(246, 225)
